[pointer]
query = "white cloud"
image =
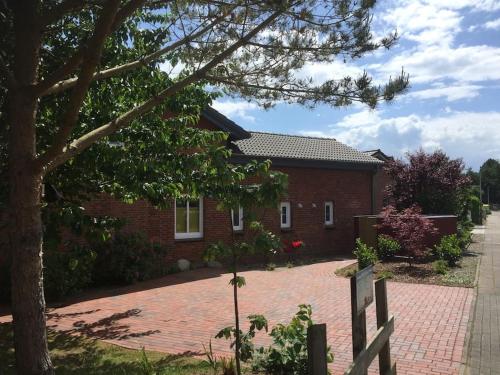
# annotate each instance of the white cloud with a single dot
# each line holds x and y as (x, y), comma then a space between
(424, 22)
(432, 27)
(492, 25)
(451, 93)
(471, 135)
(464, 64)
(233, 109)
(495, 24)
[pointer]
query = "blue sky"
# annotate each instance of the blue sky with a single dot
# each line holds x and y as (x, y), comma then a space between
(450, 48)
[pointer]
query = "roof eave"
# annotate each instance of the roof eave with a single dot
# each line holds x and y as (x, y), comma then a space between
(309, 163)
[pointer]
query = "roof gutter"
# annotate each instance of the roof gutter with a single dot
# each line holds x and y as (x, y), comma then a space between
(307, 163)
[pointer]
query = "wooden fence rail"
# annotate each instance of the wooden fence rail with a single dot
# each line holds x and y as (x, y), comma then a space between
(363, 353)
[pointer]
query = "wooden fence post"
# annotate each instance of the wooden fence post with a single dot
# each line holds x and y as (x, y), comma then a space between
(358, 323)
(364, 353)
(316, 350)
(384, 356)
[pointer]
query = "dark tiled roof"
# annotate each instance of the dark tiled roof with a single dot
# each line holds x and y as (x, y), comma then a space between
(378, 154)
(299, 147)
(218, 119)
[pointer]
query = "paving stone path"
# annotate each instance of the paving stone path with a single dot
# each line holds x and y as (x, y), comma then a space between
(484, 354)
(177, 313)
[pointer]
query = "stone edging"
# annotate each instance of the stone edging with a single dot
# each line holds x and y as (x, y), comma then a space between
(464, 368)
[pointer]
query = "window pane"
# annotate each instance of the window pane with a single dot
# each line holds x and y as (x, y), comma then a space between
(283, 215)
(327, 212)
(194, 217)
(180, 216)
(236, 217)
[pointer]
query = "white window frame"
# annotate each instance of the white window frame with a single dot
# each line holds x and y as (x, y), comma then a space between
(239, 227)
(288, 216)
(188, 235)
(328, 205)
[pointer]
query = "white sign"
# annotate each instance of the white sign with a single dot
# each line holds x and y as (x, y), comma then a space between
(364, 288)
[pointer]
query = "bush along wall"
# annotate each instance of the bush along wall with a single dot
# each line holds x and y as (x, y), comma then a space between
(123, 259)
(128, 258)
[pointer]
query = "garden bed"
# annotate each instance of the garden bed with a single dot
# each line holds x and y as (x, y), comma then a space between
(463, 275)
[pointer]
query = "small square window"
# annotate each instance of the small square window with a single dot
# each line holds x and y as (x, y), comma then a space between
(237, 218)
(328, 213)
(285, 216)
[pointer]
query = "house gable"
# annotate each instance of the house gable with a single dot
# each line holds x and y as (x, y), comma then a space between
(221, 122)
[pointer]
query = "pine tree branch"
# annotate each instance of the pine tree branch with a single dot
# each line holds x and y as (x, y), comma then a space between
(287, 90)
(111, 72)
(85, 141)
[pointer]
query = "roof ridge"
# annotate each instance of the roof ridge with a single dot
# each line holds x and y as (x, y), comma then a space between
(294, 135)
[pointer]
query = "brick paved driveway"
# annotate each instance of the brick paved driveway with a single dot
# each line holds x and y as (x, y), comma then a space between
(178, 313)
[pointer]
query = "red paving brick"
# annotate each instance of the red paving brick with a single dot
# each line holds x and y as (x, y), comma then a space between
(178, 313)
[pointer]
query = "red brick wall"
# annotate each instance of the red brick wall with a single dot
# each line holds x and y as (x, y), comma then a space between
(307, 192)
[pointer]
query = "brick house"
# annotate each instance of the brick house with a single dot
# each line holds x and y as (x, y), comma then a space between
(329, 183)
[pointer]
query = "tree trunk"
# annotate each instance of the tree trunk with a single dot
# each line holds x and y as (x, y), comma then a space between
(28, 302)
(25, 179)
(25, 235)
(237, 337)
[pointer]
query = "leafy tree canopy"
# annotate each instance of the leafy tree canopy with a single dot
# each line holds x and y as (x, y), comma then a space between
(433, 181)
(490, 180)
(248, 49)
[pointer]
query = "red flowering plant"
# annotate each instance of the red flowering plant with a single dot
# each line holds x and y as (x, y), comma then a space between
(292, 247)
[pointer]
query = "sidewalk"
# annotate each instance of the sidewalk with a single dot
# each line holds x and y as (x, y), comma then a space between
(484, 355)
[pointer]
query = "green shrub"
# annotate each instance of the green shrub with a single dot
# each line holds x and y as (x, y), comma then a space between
(387, 246)
(67, 271)
(128, 258)
(464, 234)
(365, 254)
(476, 210)
(288, 351)
(440, 266)
(449, 249)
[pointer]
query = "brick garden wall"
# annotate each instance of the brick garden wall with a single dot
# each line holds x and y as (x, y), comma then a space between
(365, 228)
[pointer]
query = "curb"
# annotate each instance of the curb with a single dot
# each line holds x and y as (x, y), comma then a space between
(464, 366)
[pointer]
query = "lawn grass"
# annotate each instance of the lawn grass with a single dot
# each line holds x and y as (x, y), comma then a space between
(79, 355)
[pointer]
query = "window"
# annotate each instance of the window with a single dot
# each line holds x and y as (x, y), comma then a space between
(237, 218)
(285, 215)
(328, 213)
(189, 218)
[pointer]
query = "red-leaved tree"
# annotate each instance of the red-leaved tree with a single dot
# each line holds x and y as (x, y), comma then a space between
(409, 227)
(431, 180)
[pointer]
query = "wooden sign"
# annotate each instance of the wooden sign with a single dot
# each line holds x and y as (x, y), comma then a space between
(364, 289)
